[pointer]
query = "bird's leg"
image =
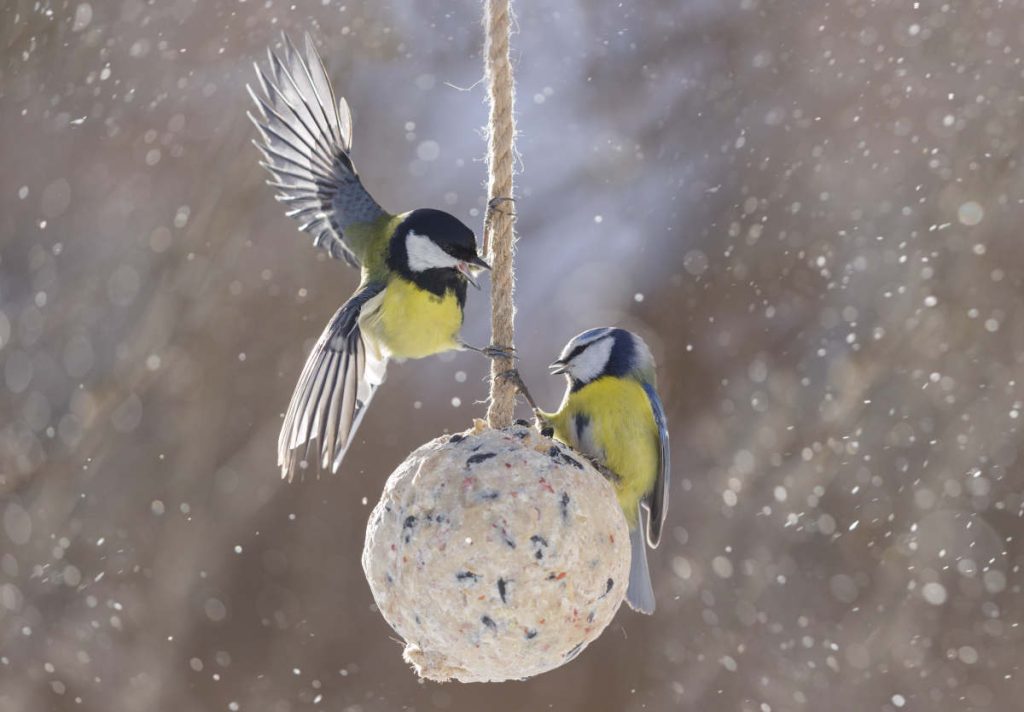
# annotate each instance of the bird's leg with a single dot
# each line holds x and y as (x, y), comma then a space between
(513, 377)
(493, 350)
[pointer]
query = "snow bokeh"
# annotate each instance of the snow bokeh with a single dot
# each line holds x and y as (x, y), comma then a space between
(809, 210)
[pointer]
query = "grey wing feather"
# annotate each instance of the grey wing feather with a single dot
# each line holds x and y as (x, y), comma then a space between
(657, 502)
(333, 392)
(306, 140)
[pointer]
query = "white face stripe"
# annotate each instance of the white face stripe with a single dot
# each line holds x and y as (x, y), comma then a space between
(589, 364)
(425, 254)
(581, 340)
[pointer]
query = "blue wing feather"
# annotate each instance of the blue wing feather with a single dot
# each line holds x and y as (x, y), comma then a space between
(657, 502)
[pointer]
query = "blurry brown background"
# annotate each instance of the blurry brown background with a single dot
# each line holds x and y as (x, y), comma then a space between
(811, 210)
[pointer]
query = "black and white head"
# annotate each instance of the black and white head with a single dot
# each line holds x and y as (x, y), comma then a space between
(606, 351)
(435, 240)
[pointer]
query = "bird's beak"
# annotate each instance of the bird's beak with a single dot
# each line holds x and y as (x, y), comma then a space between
(478, 261)
(467, 271)
(558, 367)
(474, 263)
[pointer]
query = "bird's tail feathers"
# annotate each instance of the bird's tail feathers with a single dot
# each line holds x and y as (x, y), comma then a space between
(377, 371)
(640, 594)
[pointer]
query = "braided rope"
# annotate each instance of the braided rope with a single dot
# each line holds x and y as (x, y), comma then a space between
(499, 223)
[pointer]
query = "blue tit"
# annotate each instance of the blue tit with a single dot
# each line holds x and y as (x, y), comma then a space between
(414, 266)
(611, 413)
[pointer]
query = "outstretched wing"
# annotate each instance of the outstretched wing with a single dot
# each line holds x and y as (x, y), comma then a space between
(656, 503)
(306, 140)
(333, 392)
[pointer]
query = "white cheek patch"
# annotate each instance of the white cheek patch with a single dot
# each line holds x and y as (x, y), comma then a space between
(589, 364)
(424, 253)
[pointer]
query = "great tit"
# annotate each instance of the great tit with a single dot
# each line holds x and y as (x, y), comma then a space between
(611, 412)
(414, 266)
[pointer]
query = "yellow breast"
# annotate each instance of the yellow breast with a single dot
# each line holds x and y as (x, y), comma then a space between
(621, 434)
(409, 322)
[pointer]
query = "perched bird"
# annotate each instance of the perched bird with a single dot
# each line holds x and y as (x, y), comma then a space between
(611, 413)
(414, 266)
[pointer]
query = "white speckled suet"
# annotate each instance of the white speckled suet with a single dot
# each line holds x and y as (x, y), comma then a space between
(496, 555)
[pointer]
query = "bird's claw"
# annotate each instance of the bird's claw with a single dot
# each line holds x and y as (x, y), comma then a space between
(605, 472)
(542, 426)
(494, 204)
(495, 351)
(513, 378)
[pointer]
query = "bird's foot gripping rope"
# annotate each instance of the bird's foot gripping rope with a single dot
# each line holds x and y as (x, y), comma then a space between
(512, 377)
(494, 204)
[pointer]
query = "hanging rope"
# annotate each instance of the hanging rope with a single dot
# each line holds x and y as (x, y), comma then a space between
(499, 223)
